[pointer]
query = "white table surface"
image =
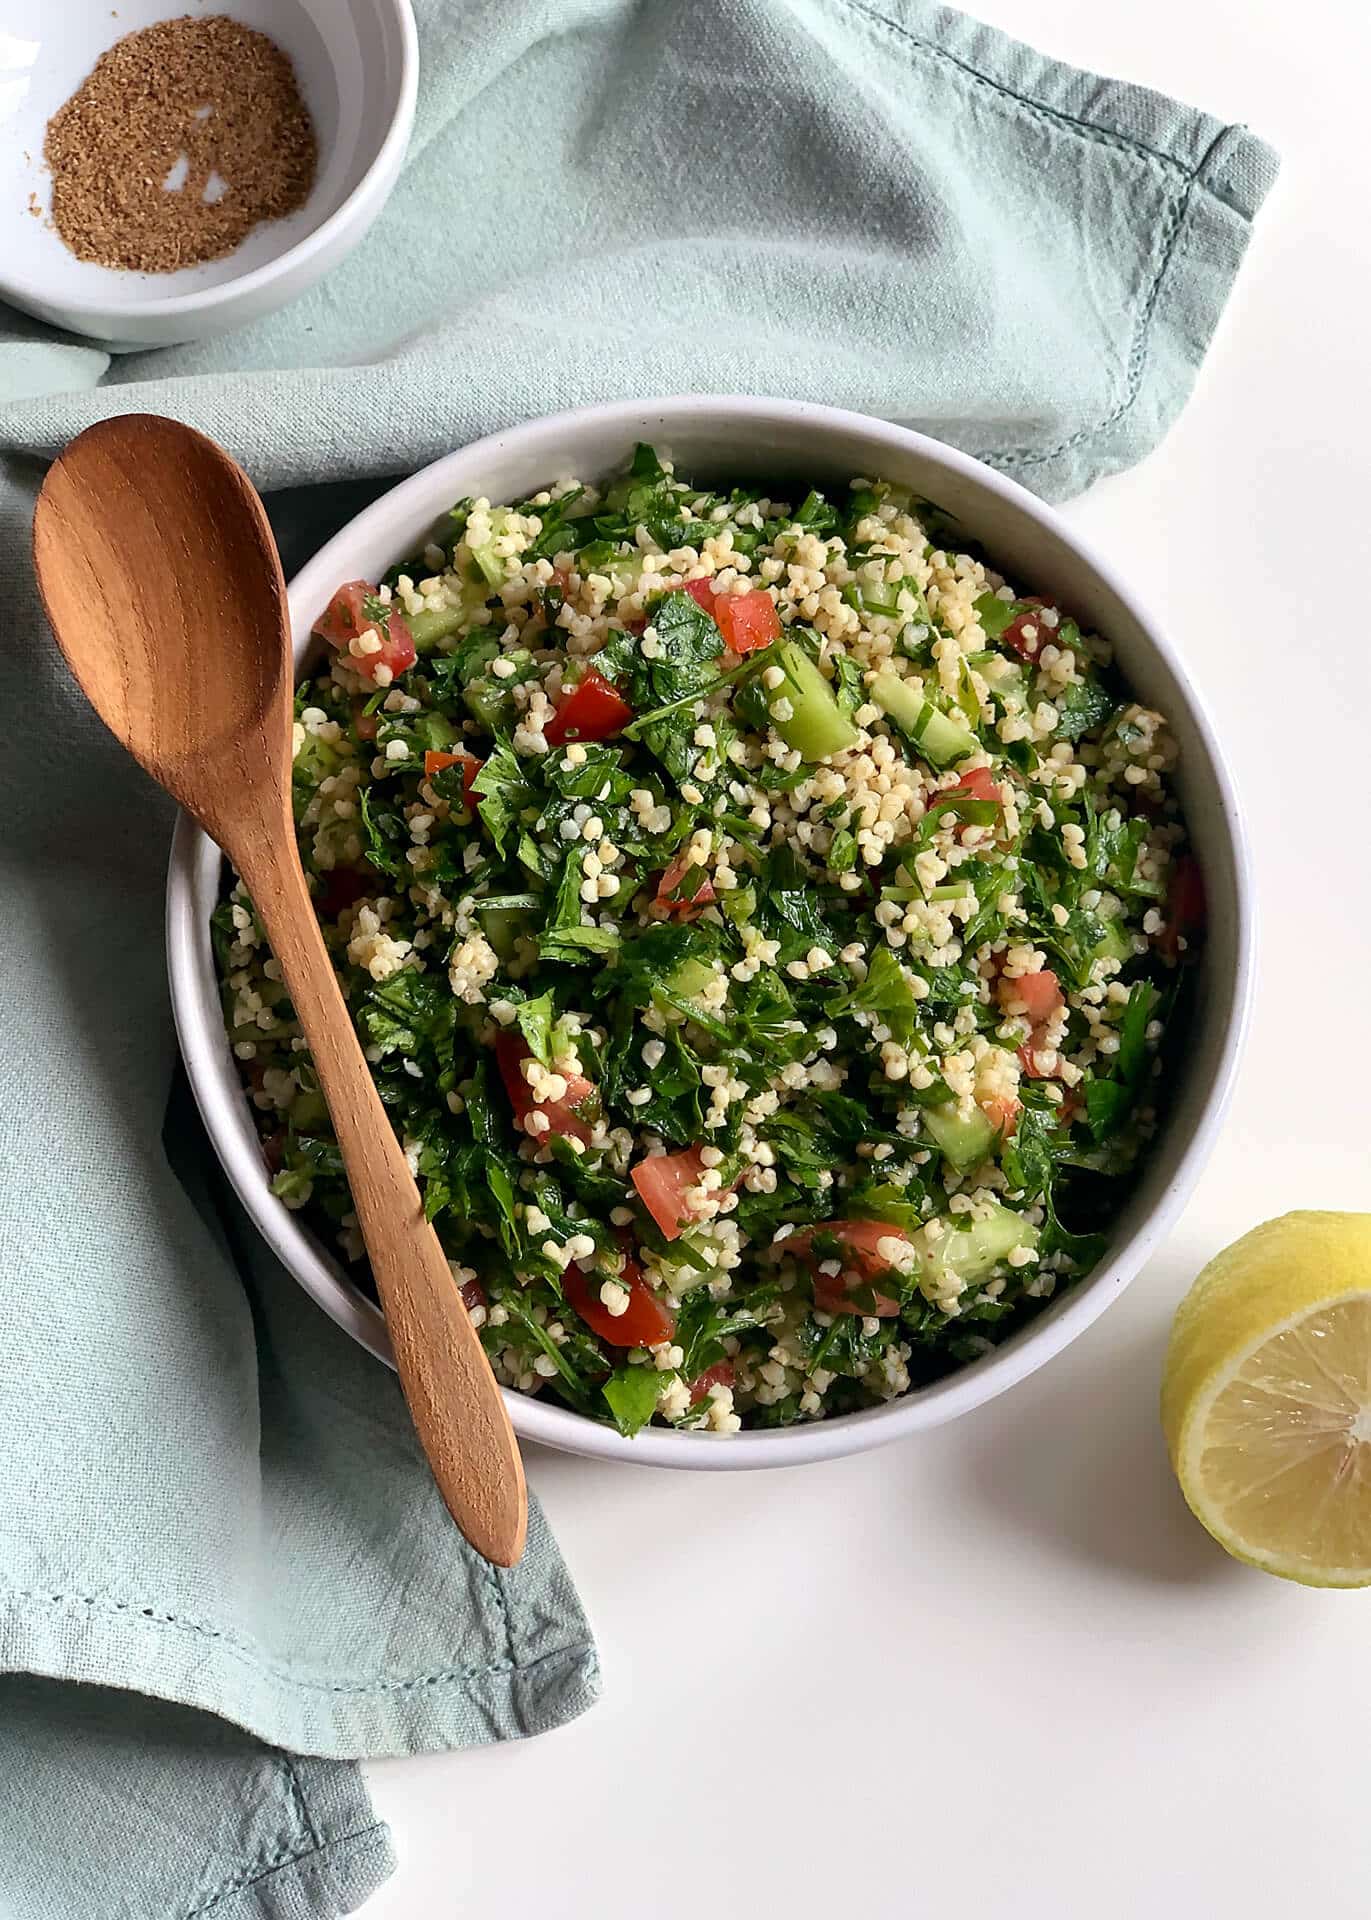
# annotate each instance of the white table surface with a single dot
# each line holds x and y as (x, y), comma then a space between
(996, 1670)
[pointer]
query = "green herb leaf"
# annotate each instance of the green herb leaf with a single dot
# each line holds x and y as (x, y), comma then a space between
(502, 792)
(631, 1393)
(996, 614)
(1081, 707)
(535, 1018)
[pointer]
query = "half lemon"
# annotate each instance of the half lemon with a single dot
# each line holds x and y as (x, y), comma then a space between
(1266, 1398)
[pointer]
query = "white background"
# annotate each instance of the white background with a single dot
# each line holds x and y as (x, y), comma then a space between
(997, 1670)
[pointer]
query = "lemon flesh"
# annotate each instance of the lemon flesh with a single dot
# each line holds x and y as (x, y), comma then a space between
(1266, 1398)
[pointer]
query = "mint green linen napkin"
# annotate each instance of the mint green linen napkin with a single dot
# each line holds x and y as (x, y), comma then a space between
(212, 1513)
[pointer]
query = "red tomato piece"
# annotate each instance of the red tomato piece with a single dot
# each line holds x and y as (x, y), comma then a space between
(1187, 909)
(721, 1374)
(563, 1117)
(862, 1264)
(352, 612)
(397, 651)
(701, 592)
(471, 766)
(747, 620)
(663, 1180)
(1041, 997)
(342, 619)
(980, 784)
(592, 711)
(473, 1295)
(1039, 993)
(645, 1322)
(1001, 1111)
(367, 725)
(342, 887)
(671, 899)
(1027, 634)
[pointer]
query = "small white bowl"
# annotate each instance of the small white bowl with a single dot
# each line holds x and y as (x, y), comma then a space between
(357, 64)
(717, 439)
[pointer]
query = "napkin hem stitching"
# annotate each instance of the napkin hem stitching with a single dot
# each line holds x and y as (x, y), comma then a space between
(263, 1869)
(1106, 136)
(1180, 190)
(1167, 248)
(572, 1650)
(301, 1803)
(1163, 252)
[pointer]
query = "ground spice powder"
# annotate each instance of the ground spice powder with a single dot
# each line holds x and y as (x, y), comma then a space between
(182, 138)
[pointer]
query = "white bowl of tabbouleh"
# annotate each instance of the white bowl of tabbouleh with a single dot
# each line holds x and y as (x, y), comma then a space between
(793, 904)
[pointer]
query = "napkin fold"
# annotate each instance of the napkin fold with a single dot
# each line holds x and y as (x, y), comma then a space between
(224, 1574)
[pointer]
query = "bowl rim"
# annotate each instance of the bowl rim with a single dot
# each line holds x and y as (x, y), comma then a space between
(189, 954)
(174, 306)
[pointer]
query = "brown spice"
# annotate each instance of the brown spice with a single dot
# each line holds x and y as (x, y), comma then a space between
(182, 138)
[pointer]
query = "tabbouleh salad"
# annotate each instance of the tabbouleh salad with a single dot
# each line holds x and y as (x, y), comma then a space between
(762, 926)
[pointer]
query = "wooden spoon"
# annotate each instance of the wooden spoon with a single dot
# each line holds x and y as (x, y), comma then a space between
(163, 586)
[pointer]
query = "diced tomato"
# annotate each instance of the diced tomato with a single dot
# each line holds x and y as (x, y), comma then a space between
(347, 616)
(721, 1374)
(645, 1322)
(1186, 906)
(663, 1180)
(701, 592)
(397, 651)
(367, 725)
(473, 1295)
(747, 620)
(1002, 1112)
(1026, 635)
(1041, 997)
(563, 1117)
(980, 784)
(670, 897)
(342, 618)
(342, 887)
(862, 1264)
(471, 766)
(1039, 993)
(593, 711)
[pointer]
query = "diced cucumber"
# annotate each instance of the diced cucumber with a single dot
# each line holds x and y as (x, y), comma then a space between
(690, 978)
(883, 598)
(903, 701)
(624, 570)
(504, 927)
(817, 726)
(971, 1252)
(965, 1141)
(940, 739)
(483, 552)
(1114, 944)
(315, 761)
(491, 701)
(740, 905)
(431, 625)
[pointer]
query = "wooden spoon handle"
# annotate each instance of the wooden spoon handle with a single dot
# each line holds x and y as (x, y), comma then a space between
(461, 1418)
